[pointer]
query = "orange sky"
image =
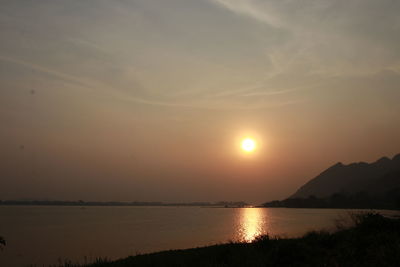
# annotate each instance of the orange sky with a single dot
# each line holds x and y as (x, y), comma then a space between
(145, 100)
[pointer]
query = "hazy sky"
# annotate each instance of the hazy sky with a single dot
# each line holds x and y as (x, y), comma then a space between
(147, 99)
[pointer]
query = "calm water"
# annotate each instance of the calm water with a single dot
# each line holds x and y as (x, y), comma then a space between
(43, 235)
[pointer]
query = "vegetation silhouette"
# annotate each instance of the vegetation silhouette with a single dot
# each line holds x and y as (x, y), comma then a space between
(372, 240)
(2, 242)
(360, 200)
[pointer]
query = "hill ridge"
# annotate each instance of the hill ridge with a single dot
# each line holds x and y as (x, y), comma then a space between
(348, 179)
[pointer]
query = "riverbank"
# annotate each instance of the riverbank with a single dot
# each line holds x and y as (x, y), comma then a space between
(373, 240)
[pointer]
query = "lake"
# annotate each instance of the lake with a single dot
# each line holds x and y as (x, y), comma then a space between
(45, 234)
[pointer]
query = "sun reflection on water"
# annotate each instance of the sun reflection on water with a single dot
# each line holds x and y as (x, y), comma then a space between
(251, 224)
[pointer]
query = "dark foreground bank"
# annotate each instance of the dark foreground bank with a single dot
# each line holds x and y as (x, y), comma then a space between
(374, 240)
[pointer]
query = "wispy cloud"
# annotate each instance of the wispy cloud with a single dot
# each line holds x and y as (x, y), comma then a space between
(43, 69)
(249, 8)
(94, 86)
(329, 36)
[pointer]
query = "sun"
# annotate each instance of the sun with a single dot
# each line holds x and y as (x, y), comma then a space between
(248, 144)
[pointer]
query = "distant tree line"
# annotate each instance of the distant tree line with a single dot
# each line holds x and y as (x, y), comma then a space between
(360, 200)
(135, 203)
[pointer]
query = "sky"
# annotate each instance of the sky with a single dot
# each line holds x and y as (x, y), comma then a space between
(147, 100)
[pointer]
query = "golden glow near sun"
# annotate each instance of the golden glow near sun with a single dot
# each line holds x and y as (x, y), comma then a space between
(248, 144)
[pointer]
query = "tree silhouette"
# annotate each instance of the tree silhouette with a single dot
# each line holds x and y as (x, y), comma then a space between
(2, 242)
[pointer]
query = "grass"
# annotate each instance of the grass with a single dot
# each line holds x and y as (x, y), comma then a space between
(373, 240)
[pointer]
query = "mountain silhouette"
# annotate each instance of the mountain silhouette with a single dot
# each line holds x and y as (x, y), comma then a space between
(374, 178)
(363, 185)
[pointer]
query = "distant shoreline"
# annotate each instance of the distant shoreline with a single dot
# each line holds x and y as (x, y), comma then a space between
(122, 204)
(338, 201)
(162, 204)
(330, 208)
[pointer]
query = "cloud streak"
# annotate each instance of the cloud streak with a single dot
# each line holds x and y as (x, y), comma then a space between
(334, 37)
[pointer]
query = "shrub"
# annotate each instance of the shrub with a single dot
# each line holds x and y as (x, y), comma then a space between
(2, 242)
